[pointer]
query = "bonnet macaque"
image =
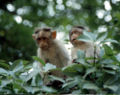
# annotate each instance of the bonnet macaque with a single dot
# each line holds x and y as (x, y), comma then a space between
(50, 50)
(87, 47)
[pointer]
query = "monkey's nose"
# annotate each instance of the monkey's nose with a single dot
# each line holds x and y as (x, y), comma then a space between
(73, 39)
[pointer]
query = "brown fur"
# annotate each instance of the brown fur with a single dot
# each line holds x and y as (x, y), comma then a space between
(87, 47)
(51, 50)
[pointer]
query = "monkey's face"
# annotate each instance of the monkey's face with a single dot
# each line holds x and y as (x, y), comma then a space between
(74, 34)
(42, 38)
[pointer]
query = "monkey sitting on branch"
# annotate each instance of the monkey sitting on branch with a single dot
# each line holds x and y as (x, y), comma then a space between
(50, 50)
(88, 48)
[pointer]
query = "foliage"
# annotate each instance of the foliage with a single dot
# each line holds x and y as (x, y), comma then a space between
(100, 77)
(18, 18)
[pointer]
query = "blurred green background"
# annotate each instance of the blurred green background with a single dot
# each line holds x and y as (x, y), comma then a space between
(18, 18)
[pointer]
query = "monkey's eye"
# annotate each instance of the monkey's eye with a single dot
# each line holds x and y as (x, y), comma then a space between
(36, 31)
(44, 38)
(75, 32)
(46, 29)
(38, 39)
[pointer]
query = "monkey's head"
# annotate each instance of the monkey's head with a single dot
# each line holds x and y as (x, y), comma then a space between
(43, 37)
(75, 32)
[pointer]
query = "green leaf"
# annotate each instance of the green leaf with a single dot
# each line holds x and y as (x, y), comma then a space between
(15, 64)
(16, 87)
(4, 64)
(84, 38)
(39, 60)
(87, 37)
(112, 66)
(90, 86)
(102, 36)
(80, 54)
(112, 87)
(31, 89)
(48, 89)
(71, 83)
(108, 50)
(118, 57)
(90, 70)
(3, 71)
(76, 92)
(107, 61)
(36, 80)
(110, 40)
(110, 71)
(102, 52)
(52, 78)
(5, 82)
(19, 67)
(49, 67)
(90, 35)
(73, 69)
(80, 57)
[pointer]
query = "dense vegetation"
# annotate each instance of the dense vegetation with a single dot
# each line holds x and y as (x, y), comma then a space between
(19, 72)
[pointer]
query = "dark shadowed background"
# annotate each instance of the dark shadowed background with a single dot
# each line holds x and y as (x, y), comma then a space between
(18, 18)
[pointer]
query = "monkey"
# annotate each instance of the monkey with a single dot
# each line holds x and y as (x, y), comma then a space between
(87, 47)
(50, 50)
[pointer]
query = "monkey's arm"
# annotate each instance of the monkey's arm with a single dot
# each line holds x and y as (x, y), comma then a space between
(40, 56)
(38, 52)
(65, 58)
(74, 55)
(63, 54)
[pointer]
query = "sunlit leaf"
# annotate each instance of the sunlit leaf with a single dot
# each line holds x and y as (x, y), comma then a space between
(111, 87)
(72, 83)
(108, 50)
(4, 64)
(3, 71)
(5, 82)
(118, 57)
(90, 70)
(48, 89)
(73, 69)
(110, 71)
(110, 40)
(56, 78)
(39, 60)
(49, 67)
(80, 54)
(90, 86)
(31, 89)
(112, 66)
(102, 36)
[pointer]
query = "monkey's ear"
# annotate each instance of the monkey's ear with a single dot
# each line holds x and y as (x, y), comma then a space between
(33, 36)
(54, 34)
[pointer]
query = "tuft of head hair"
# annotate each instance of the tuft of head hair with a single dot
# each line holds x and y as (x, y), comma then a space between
(46, 29)
(77, 27)
(81, 27)
(37, 30)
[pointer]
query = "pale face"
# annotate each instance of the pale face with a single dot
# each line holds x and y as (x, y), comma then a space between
(75, 33)
(42, 38)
